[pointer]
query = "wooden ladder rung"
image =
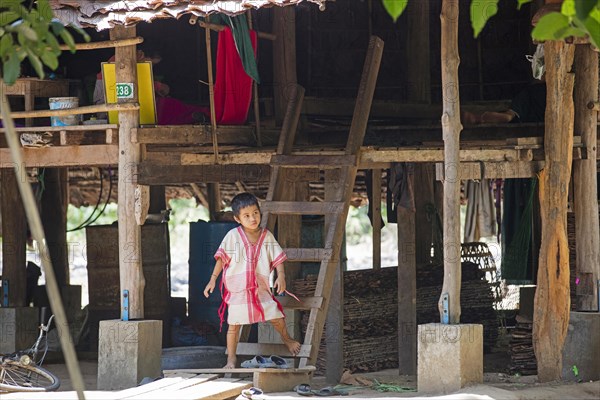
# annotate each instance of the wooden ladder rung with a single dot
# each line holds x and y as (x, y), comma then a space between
(307, 254)
(303, 207)
(315, 161)
(306, 303)
(267, 349)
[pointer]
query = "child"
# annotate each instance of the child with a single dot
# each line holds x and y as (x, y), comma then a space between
(247, 256)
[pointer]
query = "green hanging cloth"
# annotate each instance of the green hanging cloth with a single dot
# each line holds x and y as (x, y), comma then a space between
(241, 36)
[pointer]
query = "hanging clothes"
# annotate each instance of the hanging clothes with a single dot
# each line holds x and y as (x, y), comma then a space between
(233, 86)
(243, 42)
(480, 216)
(400, 191)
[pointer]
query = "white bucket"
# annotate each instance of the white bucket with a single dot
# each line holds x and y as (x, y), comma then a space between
(58, 103)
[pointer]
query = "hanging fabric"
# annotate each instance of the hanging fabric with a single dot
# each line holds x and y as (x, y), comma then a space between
(479, 219)
(233, 86)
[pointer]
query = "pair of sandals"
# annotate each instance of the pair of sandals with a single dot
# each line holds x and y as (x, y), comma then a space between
(266, 362)
(252, 393)
(305, 390)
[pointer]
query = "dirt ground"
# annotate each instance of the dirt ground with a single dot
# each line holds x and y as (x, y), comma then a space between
(496, 386)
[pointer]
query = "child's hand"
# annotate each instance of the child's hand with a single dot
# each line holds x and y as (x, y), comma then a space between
(280, 284)
(209, 288)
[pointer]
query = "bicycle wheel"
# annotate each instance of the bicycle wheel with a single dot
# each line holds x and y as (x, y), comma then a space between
(15, 377)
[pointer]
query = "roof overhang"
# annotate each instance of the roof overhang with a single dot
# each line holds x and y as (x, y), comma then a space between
(105, 14)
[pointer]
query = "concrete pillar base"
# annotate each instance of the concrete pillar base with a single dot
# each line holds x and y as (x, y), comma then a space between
(18, 329)
(450, 357)
(128, 351)
(582, 347)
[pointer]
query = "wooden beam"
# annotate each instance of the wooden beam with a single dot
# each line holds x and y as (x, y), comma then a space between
(303, 208)
(490, 170)
(227, 158)
(130, 237)
(219, 28)
(370, 156)
(198, 192)
(71, 128)
(76, 111)
(104, 44)
(202, 134)
(587, 236)
(552, 300)
(451, 128)
(156, 174)
(14, 236)
(284, 59)
(65, 156)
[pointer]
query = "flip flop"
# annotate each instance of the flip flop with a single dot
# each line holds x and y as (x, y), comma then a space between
(258, 362)
(328, 391)
(303, 389)
(253, 391)
(279, 362)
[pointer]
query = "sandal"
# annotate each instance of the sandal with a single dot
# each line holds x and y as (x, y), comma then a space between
(253, 391)
(329, 391)
(258, 362)
(279, 362)
(303, 389)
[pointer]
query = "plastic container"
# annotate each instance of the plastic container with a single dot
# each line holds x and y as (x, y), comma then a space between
(59, 103)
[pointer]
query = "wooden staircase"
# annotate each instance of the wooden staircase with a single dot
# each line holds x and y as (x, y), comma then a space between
(340, 173)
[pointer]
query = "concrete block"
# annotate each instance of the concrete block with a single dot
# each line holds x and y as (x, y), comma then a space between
(128, 351)
(18, 328)
(450, 357)
(582, 347)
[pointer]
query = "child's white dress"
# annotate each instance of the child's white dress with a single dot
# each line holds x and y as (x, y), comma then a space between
(245, 282)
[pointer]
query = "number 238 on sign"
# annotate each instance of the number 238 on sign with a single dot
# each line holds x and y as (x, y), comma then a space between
(124, 90)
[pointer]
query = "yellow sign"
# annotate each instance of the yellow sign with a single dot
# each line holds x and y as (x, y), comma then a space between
(145, 84)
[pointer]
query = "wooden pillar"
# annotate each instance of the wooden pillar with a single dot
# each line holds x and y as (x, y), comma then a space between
(130, 236)
(54, 219)
(418, 72)
(407, 293)
(587, 236)
(334, 327)
(14, 237)
(376, 208)
(214, 200)
(552, 300)
(158, 201)
(284, 58)
(451, 128)
(289, 227)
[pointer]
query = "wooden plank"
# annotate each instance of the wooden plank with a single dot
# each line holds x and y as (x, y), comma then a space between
(70, 128)
(238, 370)
(270, 383)
(307, 254)
(267, 349)
(159, 393)
(64, 156)
(587, 236)
(157, 174)
(303, 208)
(199, 134)
(306, 303)
(505, 170)
(77, 111)
(369, 156)
(263, 157)
(158, 384)
(284, 59)
(219, 389)
(315, 161)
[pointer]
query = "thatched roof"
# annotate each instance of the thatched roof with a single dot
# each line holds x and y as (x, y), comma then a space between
(104, 14)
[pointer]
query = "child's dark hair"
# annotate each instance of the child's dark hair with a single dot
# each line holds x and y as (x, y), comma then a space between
(243, 200)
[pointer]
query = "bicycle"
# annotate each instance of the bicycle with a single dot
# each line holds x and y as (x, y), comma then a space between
(21, 371)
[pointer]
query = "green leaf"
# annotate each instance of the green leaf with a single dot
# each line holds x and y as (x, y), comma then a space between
(83, 33)
(25, 30)
(592, 26)
(8, 17)
(36, 63)
(584, 7)
(12, 68)
(50, 59)
(548, 25)
(45, 10)
(57, 27)
(568, 8)
(481, 12)
(395, 7)
(6, 44)
(522, 2)
(66, 36)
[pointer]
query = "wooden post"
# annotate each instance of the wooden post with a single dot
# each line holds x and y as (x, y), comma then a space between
(451, 128)
(214, 200)
(14, 237)
(407, 293)
(54, 218)
(334, 327)
(376, 209)
(587, 237)
(130, 236)
(552, 301)
(255, 94)
(158, 201)
(211, 94)
(284, 58)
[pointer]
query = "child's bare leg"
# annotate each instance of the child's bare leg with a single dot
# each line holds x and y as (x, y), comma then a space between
(292, 345)
(233, 335)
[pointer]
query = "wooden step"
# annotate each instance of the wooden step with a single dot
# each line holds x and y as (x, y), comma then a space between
(306, 303)
(303, 207)
(307, 254)
(267, 349)
(314, 161)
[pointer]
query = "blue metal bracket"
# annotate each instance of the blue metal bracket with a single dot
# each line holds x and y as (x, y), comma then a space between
(5, 293)
(445, 308)
(125, 314)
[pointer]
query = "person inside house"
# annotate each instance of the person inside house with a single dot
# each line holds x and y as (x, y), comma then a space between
(247, 256)
(169, 110)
